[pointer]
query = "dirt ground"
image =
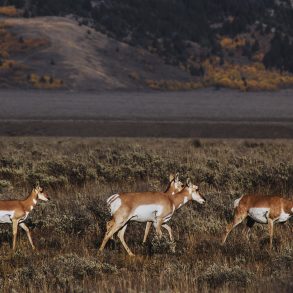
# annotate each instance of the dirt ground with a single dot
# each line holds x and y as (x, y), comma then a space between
(202, 113)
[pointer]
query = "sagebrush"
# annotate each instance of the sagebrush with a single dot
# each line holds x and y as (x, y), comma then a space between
(79, 174)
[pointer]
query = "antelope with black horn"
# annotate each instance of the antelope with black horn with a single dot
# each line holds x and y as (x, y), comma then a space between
(15, 212)
(260, 209)
(174, 186)
(155, 207)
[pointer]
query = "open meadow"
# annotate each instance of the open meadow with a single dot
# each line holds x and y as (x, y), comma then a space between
(80, 173)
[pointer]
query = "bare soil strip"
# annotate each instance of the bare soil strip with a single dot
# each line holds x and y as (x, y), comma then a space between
(204, 113)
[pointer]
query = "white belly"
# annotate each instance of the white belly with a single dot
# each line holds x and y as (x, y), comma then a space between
(283, 217)
(146, 213)
(260, 215)
(5, 216)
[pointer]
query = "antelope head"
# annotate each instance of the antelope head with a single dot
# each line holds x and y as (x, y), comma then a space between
(178, 185)
(175, 184)
(194, 192)
(40, 193)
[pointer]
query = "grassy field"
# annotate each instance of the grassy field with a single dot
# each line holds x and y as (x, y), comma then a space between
(79, 174)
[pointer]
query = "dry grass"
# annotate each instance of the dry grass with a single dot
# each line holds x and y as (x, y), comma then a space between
(14, 72)
(12, 44)
(79, 174)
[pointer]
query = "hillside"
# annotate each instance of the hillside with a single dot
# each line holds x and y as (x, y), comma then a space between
(56, 52)
(109, 44)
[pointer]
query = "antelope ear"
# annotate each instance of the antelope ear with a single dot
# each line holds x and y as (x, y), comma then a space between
(171, 177)
(188, 183)
(177, 176)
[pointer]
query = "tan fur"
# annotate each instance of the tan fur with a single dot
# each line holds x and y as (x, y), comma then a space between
(171, 190)
(130, 201)
(275, 204)
(21, 210)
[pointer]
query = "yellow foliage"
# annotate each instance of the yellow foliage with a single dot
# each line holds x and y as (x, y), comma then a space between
(45, 81)
(7, 64)
(173, 85)
(229, 43)
(8, 11)
(245, 77)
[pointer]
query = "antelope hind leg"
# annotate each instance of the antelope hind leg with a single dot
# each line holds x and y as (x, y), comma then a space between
(121, 237)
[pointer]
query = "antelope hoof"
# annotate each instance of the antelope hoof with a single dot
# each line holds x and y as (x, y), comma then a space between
(99, 253)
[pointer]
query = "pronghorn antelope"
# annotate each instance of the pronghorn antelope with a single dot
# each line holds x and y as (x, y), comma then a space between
(260, 209)
(16, 211)
(155, 207)
(174, 186)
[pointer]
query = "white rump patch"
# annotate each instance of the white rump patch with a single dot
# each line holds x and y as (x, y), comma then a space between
(112, 197)
(260, 215)
(236, 202)
(5, 216)
(114, 203)
(148, 212)
(185, 200)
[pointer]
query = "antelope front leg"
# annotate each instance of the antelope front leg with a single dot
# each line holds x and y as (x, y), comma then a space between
(14, 231)
(271, 231)
(168, 228)
(27, 230)
(158, 225)
(146, 232)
